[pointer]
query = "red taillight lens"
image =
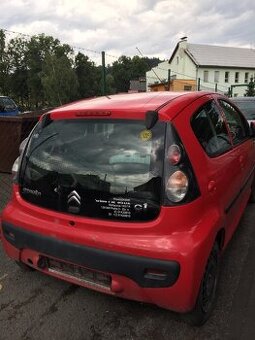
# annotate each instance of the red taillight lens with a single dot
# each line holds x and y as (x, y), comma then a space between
(174, 154)
(177, 186)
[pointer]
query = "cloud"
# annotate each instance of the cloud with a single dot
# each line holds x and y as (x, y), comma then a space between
(118, 27)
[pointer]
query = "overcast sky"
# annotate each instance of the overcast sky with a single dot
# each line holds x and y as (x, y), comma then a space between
(119, 26)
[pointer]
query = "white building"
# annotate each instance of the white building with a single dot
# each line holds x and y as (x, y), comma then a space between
(216, 68)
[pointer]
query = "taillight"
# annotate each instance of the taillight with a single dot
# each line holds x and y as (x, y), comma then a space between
(180, 182)
(15, 169)
(16, 164)
(174, 154)
(177, 186)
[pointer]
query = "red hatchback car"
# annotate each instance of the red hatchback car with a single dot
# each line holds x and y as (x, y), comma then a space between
(134, 195)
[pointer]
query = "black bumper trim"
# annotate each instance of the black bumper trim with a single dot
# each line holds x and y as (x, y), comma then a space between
(133, 267)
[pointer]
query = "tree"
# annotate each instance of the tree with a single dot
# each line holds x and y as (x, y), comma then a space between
(37, 49)
(40, 71)
(18, 70)
(4, 75)
(88, 76)
(139, 67)
(125, 69)
(250, 92)
(59, 80)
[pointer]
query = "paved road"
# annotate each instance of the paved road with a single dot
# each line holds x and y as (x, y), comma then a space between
(34, 306)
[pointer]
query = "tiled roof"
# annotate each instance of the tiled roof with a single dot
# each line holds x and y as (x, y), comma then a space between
(209, 55)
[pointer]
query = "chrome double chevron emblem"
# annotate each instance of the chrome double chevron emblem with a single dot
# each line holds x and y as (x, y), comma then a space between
(74, 202)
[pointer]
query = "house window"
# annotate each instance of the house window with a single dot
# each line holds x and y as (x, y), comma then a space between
(206, 76)
(177, 60)
(226, 77)
(237, 77)
(187, 87)
(246, 77)
(216, 76)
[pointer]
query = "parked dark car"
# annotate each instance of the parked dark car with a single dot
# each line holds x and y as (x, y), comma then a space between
(247, 106)
(134, 195)
(8, 107)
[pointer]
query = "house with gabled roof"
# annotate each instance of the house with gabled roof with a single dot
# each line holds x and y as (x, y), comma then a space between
(219, 68)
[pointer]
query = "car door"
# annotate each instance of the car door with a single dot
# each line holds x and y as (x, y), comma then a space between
(243, 165)
(216, 161)
(215, 164)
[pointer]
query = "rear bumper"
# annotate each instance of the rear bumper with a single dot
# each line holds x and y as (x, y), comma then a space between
(159, 262)
(136, 268)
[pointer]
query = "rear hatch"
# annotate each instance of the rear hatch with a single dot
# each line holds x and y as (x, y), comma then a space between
(96, 168)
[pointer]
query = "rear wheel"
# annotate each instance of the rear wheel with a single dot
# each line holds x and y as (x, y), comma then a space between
(207, 292)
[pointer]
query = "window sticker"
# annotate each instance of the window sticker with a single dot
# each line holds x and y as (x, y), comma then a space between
(116, 207)
(145, 135)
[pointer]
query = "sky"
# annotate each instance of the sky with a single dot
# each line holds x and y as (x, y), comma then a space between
(132, 27)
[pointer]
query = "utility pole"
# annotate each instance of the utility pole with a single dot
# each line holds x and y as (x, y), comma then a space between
(198, 84)
(103, 74)
(169, 79)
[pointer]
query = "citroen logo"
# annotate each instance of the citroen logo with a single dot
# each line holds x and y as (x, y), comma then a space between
(74, 202)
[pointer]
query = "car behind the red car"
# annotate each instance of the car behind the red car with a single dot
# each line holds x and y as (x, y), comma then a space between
(247, 106)
(134, 195)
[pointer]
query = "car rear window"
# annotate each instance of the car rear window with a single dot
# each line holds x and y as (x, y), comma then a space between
(99, 168)
(7, 104)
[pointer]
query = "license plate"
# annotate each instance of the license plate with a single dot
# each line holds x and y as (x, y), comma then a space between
(81, 274)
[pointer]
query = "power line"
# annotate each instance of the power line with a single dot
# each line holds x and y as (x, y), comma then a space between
(72, 46)
(152, 67)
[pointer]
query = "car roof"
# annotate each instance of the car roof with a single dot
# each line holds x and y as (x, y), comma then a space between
(132, 102)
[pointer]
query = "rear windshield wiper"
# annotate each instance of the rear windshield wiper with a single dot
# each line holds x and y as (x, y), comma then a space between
(41, 143)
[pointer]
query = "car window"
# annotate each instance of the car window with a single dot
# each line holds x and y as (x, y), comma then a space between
(238, 126)
(113, 165)
(7, 104)
(210, 130)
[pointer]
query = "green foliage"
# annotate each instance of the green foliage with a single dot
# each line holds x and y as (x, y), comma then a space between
(88, 76)
(59, 80)
(39, 72)
(250, 92)
(3, 65)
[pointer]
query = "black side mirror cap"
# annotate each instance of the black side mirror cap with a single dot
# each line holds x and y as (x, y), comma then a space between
(151, 119)
(46, 120)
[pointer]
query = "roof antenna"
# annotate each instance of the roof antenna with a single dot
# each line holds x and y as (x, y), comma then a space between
(161, 81)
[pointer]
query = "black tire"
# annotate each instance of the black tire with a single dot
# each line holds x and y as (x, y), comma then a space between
(24, 267)
(207, 293)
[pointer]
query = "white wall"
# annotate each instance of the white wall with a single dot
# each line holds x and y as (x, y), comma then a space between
(222, 86)
(181, 65)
